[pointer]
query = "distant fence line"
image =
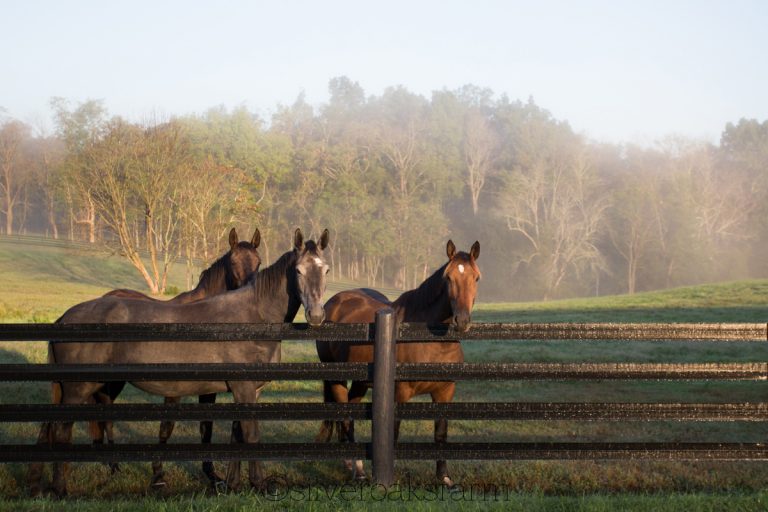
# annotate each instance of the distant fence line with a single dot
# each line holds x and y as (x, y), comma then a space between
(382, 411)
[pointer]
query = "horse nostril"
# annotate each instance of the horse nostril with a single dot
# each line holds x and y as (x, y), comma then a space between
(316, 317)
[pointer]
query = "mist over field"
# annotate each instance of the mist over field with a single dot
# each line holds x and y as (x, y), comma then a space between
(394, 176)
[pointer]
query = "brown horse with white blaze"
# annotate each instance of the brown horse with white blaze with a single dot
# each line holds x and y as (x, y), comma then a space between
(447, 296)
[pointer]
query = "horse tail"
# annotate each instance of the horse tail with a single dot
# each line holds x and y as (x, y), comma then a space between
(326, 429)
(46, 429)
(44, 436)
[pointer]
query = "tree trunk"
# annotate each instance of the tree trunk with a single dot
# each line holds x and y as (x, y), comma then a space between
(8, 212)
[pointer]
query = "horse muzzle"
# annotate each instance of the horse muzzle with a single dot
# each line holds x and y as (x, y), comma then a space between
(462, 322)
(315, 316)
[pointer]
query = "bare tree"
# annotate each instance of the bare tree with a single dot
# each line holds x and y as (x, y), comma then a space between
(554, 202)
(80, 129)
(135, 174)
(480, 147)
(12, 136)
(632, 225)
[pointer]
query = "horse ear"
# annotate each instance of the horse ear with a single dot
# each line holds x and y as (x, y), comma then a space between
(298, 239)
(475, 250)
(232, 238)
(324, 239)
(256, 240)
(450, 249)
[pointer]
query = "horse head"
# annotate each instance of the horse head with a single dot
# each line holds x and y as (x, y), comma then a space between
(244, 259)
(461, 275)
(311, 271)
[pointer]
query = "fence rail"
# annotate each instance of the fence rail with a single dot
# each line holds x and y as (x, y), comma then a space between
(383, 373)
(573, 411)
(365, 333)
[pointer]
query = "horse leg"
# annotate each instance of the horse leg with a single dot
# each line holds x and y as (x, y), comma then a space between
(108, 395)
(72, 393)
(166, 429)
(356, 394)
(337, 393)
(98, 429)
(403, 392)
(442, 395)
(247, 432)
(206, 434)
(326, 429)
(35, 469)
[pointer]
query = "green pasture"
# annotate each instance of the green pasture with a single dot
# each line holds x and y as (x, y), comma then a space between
(38, 283)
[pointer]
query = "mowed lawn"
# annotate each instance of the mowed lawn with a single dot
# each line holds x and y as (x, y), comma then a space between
(38, 283)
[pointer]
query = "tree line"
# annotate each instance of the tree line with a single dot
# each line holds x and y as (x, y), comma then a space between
(394, 176)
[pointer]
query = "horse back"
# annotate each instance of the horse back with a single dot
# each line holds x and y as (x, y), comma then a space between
(125, 293)
(355, 306)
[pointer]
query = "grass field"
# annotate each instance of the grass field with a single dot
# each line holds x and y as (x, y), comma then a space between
(39, 283)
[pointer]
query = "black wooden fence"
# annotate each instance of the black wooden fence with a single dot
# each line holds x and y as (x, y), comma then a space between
(382, 410)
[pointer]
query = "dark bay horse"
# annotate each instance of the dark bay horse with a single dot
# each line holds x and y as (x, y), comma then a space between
(275, 294)
(229, 272)
(447, 296)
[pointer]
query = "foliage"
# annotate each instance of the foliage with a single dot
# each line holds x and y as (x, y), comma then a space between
(394, 176)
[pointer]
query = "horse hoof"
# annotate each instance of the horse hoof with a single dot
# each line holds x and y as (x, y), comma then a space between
(215, 479)
(114, 467)
(157, 483)
(450, 485)
(232, 488)
(219, 486)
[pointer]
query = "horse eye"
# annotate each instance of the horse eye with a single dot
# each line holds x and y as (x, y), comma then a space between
(327, 270)
(299, 271)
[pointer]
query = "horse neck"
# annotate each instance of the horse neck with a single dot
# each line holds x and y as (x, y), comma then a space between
(427, 303)
(213, 281)
(193, 295)
(274, 288)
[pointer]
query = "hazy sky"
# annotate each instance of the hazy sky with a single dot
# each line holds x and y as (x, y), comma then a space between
(615, 70)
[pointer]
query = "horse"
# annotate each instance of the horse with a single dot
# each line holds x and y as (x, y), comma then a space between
(447, 296)
(297, 278)
(229, 272)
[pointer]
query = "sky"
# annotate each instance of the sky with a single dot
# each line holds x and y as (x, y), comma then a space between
(618, 71)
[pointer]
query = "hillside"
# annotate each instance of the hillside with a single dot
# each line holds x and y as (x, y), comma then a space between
(38, 281)
(738, 301)
(40, 278)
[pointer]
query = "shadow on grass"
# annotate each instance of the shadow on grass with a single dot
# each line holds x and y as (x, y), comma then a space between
(12, 357)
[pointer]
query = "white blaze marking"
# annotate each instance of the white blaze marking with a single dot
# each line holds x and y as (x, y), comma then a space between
(461, 269)
(318, 262)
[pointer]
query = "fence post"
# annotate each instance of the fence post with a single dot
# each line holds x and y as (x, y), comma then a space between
(383, 421)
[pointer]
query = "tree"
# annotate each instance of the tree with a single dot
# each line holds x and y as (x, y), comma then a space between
(413, 183)
(136, 174)
(479, 148)
(80, 129)
(744, 153)
(49, 156)
(13, 134)
(553, 202)
(631, 225)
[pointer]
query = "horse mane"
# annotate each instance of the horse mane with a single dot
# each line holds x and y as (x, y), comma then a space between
(426, 293)
(211, 279)
(266, 280)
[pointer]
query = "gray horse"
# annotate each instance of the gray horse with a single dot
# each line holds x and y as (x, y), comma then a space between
(297, 278)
